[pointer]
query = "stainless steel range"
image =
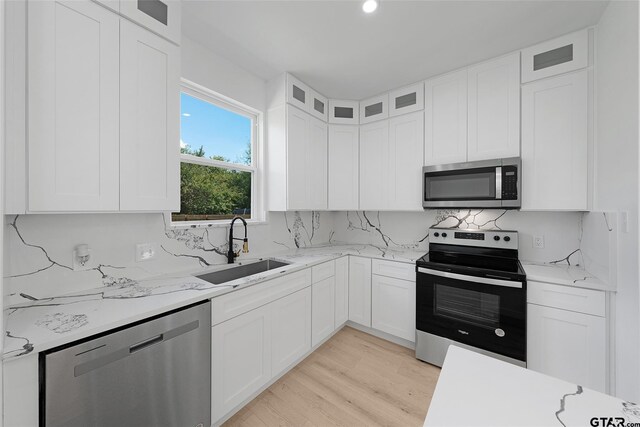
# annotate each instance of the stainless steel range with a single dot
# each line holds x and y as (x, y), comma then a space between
(471, 290)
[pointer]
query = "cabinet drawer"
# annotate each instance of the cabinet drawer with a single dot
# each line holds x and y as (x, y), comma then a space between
(406, 100)
(398, 270)
(231, 305)
(323, 271)
(566, 298)
(557, 56)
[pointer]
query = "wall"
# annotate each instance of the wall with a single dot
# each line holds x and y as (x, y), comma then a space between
(616, 168)
(41, 247)
(205, 68)
(561, 231)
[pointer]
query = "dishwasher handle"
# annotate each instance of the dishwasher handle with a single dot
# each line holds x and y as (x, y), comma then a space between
(146, 343)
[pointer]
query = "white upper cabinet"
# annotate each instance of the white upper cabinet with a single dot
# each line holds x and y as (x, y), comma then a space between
(306, 168)
(318, 105)
(160, 16)
(403, 173)
(374, 109)
(316, 165)
(494, 109)
(344, 112)
(149, 121)
(343, 167)
(554, 143)
(298, 93)
(73, 83)
(374, 142)
(406, 100)
(557, 56)
(445, 112)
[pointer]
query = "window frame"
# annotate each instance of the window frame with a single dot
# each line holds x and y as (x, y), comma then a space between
(258, 213)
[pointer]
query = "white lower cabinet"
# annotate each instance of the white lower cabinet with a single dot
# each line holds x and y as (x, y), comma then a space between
(342, 291)
(393, 306)
(360, 290)
(323, 309)
(241, 359)
(565, 343)
(291, 334)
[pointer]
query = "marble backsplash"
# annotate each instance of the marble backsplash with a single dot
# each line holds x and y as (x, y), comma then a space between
(38, 248)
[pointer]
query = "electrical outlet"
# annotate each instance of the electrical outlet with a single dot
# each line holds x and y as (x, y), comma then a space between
(538, 242)
(145, 251)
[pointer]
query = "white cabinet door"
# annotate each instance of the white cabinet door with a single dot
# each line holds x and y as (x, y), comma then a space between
(374, 140)
(567, 53)
(323, 297)
(318, 105)
(342, 291)
(160, 16)
(291, 336)
(73, 83)
(567, 345)
(494, 109)
(297, 137)
(298, 93)
(344, 112)
(241, 359)
(360, 290)
(374, 109)
(343, 167)
(149, 121)
(406, 100)
(306, 161)
(554, 140)
(393, 306)
(445, 112)
(316, 165)
(405, 158)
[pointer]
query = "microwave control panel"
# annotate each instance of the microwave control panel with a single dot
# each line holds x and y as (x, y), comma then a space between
(509, 183)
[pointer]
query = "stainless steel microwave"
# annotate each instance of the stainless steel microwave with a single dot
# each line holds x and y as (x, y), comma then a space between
(481, 184)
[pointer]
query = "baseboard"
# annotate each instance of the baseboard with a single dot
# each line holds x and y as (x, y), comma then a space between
(383, 335)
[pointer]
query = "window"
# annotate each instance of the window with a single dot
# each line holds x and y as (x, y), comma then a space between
(218, 169)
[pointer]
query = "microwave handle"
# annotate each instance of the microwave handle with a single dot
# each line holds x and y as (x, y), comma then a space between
(499, 182)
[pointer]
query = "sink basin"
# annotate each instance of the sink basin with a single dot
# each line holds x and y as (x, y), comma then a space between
(240, 271)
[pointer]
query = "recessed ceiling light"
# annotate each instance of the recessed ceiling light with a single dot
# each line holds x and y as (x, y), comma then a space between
(369, 6)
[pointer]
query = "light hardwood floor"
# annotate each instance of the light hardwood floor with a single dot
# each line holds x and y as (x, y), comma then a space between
(354, 379)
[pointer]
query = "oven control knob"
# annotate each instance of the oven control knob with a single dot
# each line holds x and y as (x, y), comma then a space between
(500, 332)
(436, 234)
(496, 238)
(507, 238)
(444, 234)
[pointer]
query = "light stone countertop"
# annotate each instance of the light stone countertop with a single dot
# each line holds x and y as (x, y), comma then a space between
(566, 275)
(39, 324)
(476, 390)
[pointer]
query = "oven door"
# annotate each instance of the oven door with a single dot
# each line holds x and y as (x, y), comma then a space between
(481, 312)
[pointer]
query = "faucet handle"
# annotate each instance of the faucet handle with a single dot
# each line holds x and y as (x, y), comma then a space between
(245, 246)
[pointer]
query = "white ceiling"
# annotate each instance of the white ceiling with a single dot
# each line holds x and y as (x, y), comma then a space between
(343, 53)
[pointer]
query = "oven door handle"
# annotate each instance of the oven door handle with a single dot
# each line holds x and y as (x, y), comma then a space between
(463, 277)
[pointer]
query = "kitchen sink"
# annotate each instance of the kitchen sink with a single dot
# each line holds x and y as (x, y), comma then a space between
(240, 271)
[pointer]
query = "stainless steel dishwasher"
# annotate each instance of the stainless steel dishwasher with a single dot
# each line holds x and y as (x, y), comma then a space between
(153, 373)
